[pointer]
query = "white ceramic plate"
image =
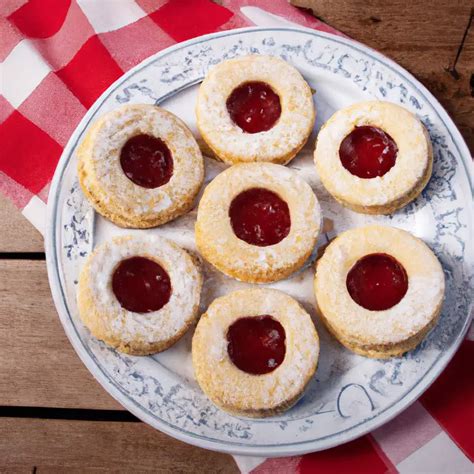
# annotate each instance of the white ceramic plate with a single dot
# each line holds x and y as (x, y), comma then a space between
(349, 395)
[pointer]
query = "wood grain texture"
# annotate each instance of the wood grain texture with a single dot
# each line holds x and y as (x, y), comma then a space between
(37, 361)
(17, 234)
(423, 37)
(88, 446)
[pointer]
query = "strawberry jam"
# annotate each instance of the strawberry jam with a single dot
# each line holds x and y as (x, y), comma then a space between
(254, 107)
(147, 161)
(368, 152)
(377, 282)
(256, 344)
(260, 217)
(141, 285)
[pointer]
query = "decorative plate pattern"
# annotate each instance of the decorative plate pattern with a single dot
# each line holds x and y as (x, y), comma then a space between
(349, 395)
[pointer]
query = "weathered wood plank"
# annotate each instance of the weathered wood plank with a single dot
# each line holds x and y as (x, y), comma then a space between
(423, 38)
(17, 234)
(37, 361)
(85, 446)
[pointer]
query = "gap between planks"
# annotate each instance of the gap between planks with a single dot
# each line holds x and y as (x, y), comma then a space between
(22, 256)
(76, 414)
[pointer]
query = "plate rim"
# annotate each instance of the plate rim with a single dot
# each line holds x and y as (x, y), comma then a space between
(54, 276)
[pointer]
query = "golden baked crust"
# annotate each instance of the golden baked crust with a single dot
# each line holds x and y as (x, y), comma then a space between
(138, 333)
(393, 331)
(401, 184)
(385, 351)
(245, 394)
(118, 198)
(215, 238)
(228, 141)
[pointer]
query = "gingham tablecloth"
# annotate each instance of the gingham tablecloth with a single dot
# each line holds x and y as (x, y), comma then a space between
(58, 56)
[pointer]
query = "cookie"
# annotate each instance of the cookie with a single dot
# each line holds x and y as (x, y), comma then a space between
(140, 166)
(255, 108)
(257, 222)
(254, 352)
(139, 294)
(379, 290)
(374, 157)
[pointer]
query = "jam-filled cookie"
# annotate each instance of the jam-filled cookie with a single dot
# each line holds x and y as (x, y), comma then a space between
(254, 351)
(255, 108)
(257, 222)
(140, 166)
(374, 157)
(139, 294)
(379, 290)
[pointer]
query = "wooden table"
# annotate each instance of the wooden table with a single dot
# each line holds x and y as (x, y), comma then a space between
(54, 414)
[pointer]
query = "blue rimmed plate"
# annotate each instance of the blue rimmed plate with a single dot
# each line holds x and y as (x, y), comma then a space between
(350, 395)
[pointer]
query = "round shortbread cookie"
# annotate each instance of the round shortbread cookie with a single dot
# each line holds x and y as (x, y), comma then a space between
(293, 125)
(113, 193)
(393, 188)
(216, 236)
(236, 390)
(400, 327)
(138, 333)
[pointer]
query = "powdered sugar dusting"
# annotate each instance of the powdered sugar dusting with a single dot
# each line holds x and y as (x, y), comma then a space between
(416, 309)
(154, 326)
(290, 131)
(219, 376)
(223, 248)
(100, 158)
(411, 162)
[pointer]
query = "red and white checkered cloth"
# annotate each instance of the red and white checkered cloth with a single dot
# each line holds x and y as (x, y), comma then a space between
(58, 56)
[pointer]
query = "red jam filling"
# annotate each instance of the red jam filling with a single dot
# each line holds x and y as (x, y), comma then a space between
(256, 344)
(254, 107)
(141, 285)
(368, 152)
(147, 161)
(377, 282)
(260, 217)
